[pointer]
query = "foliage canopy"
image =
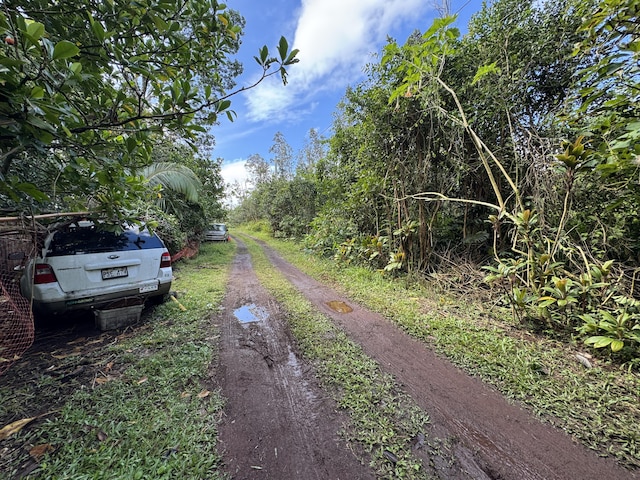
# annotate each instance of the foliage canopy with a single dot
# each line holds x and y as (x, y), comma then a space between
(84, 86)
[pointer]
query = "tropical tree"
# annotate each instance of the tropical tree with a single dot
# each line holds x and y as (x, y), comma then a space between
(259, 169)
(287, 200)
(283, 157)
(84, 85)
(447, 131)
(312, 153)
(605, 111)
(185, 184)
(174, 177)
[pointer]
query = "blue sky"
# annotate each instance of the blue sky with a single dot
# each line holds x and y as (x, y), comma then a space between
(336, 39)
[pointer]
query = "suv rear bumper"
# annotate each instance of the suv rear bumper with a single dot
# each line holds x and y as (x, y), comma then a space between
(88, 302)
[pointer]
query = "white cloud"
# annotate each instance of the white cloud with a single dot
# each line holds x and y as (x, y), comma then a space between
(274, 103)
(234, 171)
(336, 39)
(341, 34)
(268, 101)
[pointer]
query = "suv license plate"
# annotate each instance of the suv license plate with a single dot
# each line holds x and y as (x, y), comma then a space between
(108, 273)
(149, 288)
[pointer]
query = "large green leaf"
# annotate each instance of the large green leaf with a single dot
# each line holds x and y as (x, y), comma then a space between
(65, 49)
(174, 177)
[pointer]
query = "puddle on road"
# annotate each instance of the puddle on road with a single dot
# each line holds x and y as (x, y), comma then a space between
(294, 364)
(250, 313)
(339, 307)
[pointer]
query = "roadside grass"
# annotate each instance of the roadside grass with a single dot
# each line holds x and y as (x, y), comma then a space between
(386, 425)
(146, 411)
(599, 406)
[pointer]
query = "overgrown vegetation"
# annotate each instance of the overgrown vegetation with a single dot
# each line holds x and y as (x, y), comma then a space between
(597, 404)
(513, 148)
(140, 406)
(103, 105)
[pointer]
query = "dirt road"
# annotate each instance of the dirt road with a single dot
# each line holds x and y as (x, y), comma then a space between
(279, 425)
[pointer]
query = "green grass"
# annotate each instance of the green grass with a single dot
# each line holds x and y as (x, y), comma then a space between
(384, 421)
(147, 414)
(599, 406)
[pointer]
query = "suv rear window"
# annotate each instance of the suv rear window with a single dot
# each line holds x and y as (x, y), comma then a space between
(89, 240)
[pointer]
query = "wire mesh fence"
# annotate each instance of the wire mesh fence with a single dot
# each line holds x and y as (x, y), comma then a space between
(17, 245)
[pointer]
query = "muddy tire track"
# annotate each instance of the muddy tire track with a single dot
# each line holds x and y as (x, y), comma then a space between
(477, 429)
(277, 423)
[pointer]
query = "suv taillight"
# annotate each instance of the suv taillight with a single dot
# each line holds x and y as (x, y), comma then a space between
(165, 260)
(43, 274)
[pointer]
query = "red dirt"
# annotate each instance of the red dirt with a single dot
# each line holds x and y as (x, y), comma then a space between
(279, 425)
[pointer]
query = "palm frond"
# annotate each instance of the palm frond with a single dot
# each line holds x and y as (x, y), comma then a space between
(175, 177)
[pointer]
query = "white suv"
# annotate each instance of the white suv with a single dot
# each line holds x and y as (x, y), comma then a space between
(82, 267)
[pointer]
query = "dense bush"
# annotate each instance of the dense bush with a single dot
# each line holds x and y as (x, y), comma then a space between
(514, 146)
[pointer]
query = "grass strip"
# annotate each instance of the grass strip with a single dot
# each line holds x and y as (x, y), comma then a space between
(599, 406)
(148, 413)
(385, 422)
